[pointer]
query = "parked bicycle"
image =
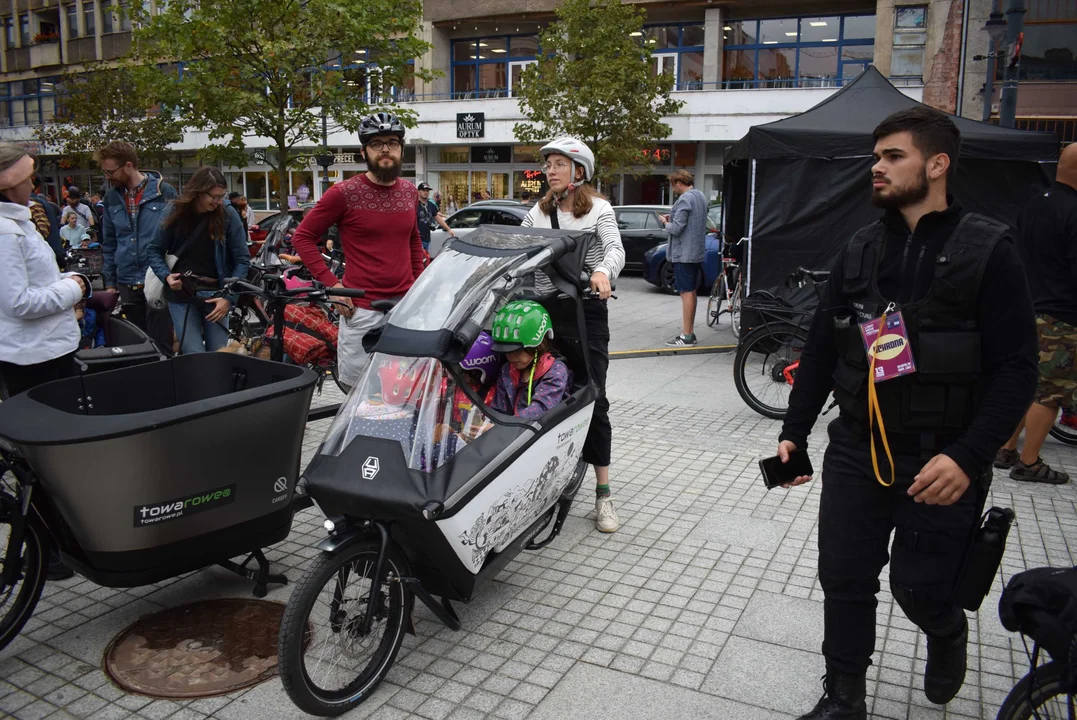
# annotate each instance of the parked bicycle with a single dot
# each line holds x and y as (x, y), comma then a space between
(728, 288)
(1041, 604)
(767, 359)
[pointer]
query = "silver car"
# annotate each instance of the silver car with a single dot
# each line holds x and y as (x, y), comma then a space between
(467, 219)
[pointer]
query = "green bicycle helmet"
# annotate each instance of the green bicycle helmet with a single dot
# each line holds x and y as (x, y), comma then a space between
(520, 324)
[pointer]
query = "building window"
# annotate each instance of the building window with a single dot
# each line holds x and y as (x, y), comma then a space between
(72, 21)
(124, 16)
(797, 52)
(9, 31)
(1049, 51)
(107, 18)
(24, 30)
(677, 50)
(910, 37)
(88, 18)
(490, 66)
(28, 102)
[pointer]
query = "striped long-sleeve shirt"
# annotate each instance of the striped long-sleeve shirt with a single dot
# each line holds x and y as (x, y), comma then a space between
(608, 255)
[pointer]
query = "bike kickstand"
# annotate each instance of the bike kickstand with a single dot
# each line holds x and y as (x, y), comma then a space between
(262, 577)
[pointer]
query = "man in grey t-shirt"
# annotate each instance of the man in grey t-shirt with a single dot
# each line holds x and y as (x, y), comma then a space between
(687, 227)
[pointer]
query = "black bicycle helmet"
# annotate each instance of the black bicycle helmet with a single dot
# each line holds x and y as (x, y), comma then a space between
(380, 123)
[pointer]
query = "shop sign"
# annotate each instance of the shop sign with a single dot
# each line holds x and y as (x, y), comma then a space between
(491, 154)
(470, 125)
(338, 159)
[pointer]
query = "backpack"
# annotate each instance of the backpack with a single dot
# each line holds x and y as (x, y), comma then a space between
(308, 334)
(1042, 604)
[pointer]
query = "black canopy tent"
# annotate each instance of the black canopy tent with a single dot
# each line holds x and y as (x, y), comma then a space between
(799, 188)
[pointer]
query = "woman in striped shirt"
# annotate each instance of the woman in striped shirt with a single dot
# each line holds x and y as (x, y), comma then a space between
(572, 204)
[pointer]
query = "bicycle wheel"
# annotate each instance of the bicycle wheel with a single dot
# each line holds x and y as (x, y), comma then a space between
(1039, 694)
(18, 601)
(714, 302)
(759, 369)
(328, 666)
(1064, 432)
(735, 303)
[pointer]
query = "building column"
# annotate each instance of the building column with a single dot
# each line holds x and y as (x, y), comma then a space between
(437, 58)
(98, 28)
(65, 57)
(713, 43)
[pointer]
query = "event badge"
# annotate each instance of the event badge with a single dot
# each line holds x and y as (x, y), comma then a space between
(890, 345)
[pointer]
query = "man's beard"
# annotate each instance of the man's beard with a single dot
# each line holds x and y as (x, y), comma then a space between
(903, 198)
(384, 174)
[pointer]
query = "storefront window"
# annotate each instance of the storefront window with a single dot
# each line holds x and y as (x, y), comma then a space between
(529, 184)
(455, 154)
(1049, 51)
(527, 154)
(454, 188)
(684, 155)
(302, 186)
(256, 190)
(480, 67)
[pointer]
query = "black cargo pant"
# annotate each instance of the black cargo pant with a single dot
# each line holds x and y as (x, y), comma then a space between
(597, 447)
(856, 517)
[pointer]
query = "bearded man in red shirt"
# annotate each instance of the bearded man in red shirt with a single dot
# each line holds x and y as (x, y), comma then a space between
(379, 234)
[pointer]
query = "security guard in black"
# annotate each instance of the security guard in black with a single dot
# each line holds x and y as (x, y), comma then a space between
(956, 279)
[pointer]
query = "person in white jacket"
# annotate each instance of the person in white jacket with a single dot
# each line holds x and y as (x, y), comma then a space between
(38, 331)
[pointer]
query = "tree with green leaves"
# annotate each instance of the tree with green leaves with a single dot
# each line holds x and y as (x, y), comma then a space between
(594, 81)
(104, 104)
(269, 69)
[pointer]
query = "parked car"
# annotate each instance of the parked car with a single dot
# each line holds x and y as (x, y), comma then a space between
(640, 230)
(261, 229)
(714, 217)
(658, 271)
(467, 219)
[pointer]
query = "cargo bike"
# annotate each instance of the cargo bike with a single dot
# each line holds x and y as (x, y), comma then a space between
(132, 472)
(414, 509)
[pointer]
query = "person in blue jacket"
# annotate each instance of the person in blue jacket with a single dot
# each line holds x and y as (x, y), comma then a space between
(206, 237)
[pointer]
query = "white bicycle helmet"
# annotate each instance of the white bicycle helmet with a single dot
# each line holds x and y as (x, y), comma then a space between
(575, 150)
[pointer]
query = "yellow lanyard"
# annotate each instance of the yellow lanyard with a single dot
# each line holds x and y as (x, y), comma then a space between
(874, 411)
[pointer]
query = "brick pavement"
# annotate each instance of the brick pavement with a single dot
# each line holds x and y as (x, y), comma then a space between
(705, 604)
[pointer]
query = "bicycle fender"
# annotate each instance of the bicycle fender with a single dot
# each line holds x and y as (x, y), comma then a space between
(338, 541)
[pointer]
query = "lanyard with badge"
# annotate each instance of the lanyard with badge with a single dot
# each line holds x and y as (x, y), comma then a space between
(886, 341)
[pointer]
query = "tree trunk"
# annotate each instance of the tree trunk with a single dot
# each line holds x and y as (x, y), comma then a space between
(283, 156)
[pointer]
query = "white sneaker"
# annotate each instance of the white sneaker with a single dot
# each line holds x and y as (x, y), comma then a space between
(605, 516)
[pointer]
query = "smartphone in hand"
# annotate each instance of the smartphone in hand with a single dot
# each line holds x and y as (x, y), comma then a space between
(776, 473)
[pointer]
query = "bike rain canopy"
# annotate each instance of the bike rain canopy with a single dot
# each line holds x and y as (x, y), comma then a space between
(446, 308)
(412, 431)
(800, 187)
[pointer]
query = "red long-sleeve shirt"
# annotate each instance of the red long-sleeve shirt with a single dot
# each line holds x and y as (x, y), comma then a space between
(378, 231)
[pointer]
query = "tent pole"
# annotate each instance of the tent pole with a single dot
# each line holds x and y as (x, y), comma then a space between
(751, 228)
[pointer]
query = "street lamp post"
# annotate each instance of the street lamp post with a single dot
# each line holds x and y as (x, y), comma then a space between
(1015, 23)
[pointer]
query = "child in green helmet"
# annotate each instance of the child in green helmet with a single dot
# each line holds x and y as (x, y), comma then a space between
(533, 380)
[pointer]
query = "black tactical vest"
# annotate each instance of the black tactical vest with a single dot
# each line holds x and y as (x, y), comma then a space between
(943, 395)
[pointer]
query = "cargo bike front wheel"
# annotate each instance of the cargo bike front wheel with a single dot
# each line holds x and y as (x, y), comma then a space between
(23, 566)
(335, 647)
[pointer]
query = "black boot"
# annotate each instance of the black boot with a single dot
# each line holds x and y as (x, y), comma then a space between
(843, 698)
(946, 665)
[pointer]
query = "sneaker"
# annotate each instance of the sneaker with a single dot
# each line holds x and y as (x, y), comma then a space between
(1005, 459)
(1038, 471)
(682, 340)
(605, 516)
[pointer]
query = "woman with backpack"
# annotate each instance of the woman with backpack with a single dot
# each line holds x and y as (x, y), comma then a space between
(199, 244)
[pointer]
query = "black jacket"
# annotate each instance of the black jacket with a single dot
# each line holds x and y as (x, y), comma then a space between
(1006, 319)
(1048, 249)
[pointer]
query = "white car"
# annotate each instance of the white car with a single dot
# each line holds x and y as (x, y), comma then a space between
(467, 219)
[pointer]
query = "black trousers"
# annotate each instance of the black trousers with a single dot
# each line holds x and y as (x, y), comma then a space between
(856, 517)
(15, 379)
(155, 323)
(597, 446)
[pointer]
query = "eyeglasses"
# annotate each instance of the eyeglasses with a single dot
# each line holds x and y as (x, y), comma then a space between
(379, 145)
(217, 197)
(110, 173)
(558, 165)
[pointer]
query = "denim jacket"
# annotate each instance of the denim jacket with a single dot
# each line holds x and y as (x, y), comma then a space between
(231, 256)
(125, 246)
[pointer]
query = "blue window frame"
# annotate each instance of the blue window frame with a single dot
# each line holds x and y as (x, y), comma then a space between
(487, 66)
(27, 102)
(797, 52)
(676, 49)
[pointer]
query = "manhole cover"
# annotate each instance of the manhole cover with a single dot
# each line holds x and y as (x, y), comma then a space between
(197, 650)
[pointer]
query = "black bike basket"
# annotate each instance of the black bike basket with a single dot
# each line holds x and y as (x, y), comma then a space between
(1042, 604)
